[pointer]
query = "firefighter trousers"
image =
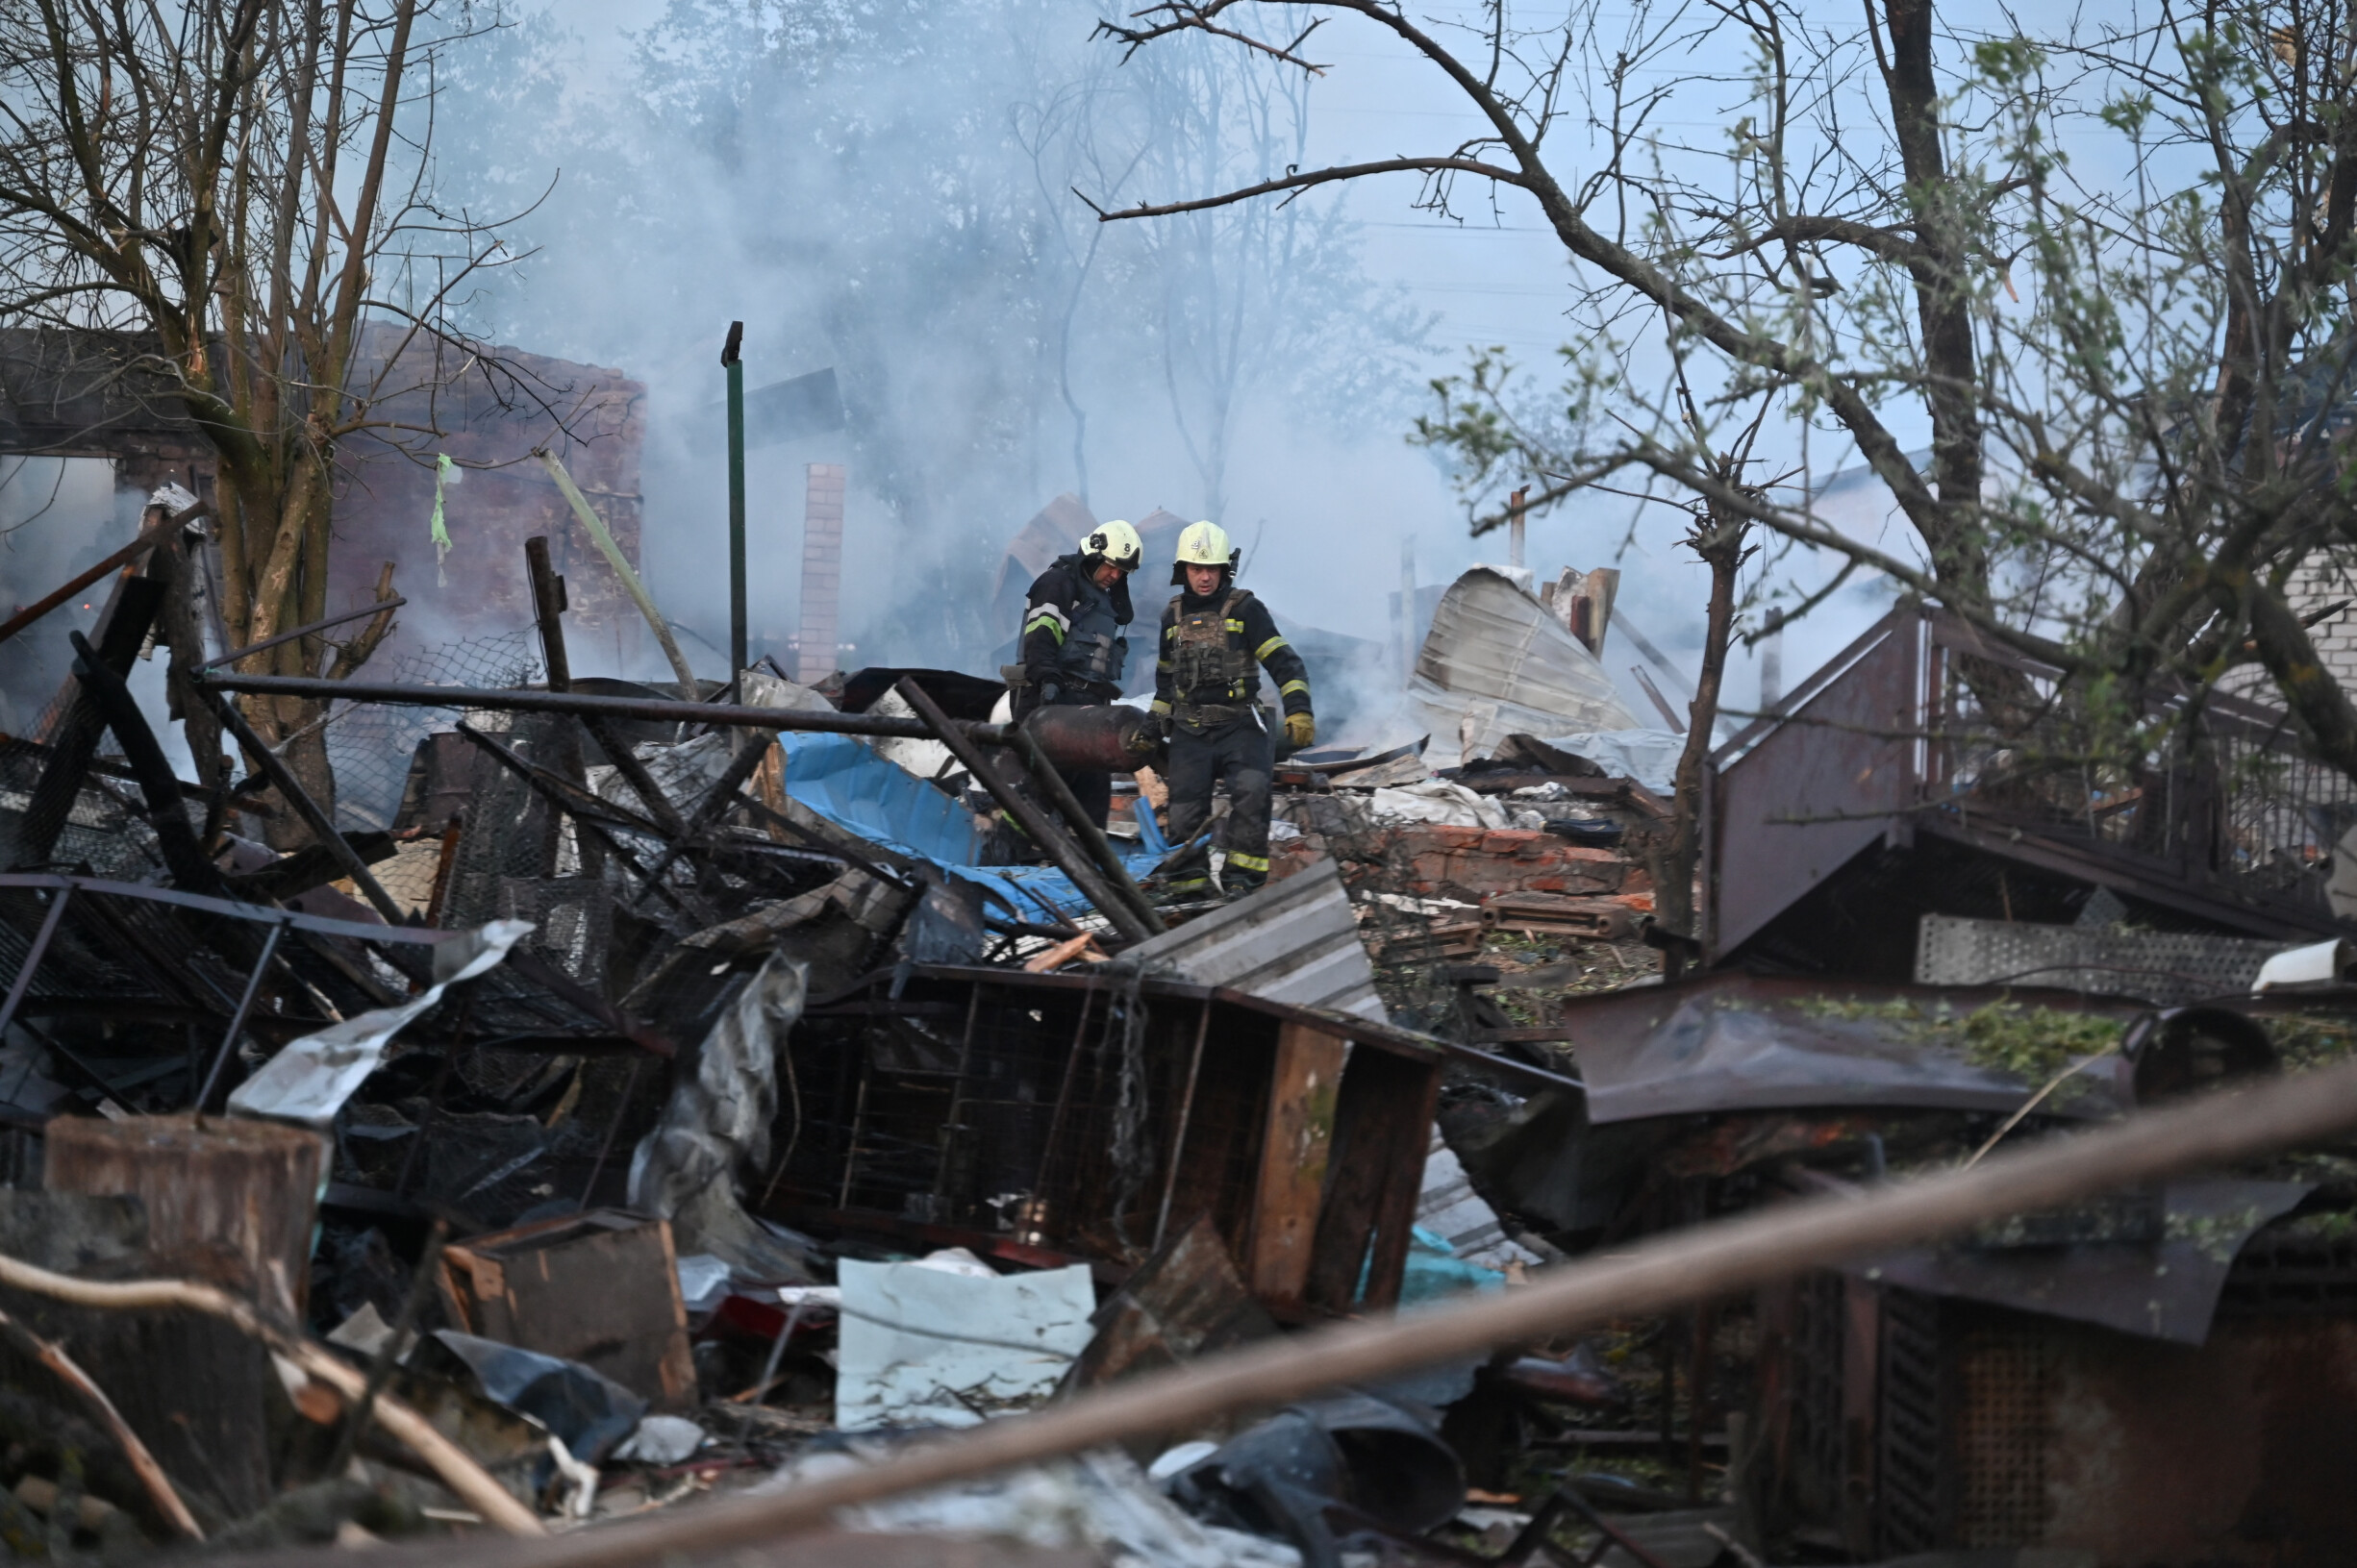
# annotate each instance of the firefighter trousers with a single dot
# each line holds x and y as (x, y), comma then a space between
(1243, 756)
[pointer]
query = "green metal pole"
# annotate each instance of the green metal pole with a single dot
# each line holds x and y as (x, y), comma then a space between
(737, 650)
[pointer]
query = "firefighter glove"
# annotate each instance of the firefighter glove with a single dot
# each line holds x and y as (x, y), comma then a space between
(1300, 729)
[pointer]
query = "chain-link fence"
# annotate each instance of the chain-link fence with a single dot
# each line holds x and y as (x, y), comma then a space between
(370, 745)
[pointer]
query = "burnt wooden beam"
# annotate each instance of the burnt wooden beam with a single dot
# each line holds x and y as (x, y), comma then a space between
(124, 557)
(313, 865)
(191, 869)
(121, 630)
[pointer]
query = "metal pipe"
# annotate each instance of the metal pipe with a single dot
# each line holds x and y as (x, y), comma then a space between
(245, 1009)
(74, 584)
(654, 710)
(729, 357)
(547, 608)
(659, 710)
(393, 602)
(33, 958)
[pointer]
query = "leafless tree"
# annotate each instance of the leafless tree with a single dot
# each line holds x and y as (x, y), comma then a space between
(1237, 300)
(240, 192)
(2106, 270)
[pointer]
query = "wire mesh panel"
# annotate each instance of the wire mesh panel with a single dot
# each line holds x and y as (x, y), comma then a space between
(2215, 793)
(2173, 968)
(102, 830)
(2002, 1430)
(370, 745)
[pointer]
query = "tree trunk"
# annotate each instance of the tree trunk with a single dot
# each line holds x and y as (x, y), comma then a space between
(1720, 542)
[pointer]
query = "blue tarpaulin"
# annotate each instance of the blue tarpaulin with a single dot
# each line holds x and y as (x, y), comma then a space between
(841, 779)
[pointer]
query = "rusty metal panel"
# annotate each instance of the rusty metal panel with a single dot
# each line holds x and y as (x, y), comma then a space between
(978, 1099)
(2237, 1453)
(2002, 1431)
(1824, 780)
(1861, 1392)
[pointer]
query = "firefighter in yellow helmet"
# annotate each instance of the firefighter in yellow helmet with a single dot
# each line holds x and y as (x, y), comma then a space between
(1072, 645)
(1216, 639)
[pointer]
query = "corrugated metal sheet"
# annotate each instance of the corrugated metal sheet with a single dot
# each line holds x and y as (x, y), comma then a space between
(1496, 656)
(1295, 940)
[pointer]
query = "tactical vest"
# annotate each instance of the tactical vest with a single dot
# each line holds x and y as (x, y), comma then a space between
(1093, 648)
(1209, 661)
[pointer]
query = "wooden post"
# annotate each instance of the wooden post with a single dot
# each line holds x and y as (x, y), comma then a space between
(1303, 1085)
(229, 1202)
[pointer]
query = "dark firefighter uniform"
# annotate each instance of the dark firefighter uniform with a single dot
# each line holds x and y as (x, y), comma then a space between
(1207, 681)
(1073, 648)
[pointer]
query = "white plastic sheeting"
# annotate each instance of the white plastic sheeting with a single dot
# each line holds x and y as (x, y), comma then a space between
(313, 1077)
(1437, 800)
(1650, 757)
(1495, 664)
(946, 1340)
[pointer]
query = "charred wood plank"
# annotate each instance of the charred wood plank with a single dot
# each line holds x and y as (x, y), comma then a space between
(128, 554)
(75, 741)
(313, 865)
(166, 811)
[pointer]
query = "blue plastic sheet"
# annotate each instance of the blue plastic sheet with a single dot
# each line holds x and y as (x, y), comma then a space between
(1434, 1272)
(841, 779)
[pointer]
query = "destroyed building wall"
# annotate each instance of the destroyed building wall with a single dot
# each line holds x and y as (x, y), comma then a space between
(1883, 793)
(98, 395)
(494, 408)
(101, 395)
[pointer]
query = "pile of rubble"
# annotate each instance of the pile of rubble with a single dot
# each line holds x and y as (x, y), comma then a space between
(710, 1091)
